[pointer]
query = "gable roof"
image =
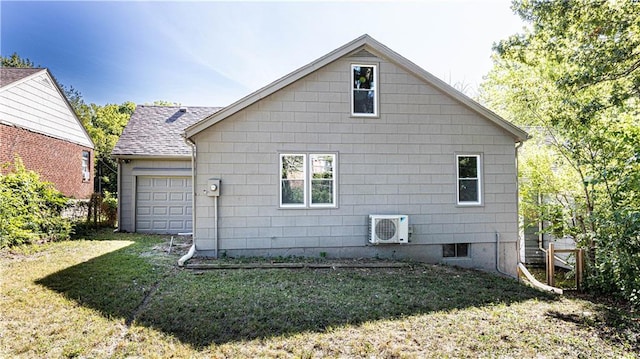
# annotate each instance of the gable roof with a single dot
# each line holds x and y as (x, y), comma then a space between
(9, 75)
(156, 131)
(367, 43)
(48, 110)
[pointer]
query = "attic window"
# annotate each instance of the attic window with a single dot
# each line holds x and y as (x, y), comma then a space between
(364, 94)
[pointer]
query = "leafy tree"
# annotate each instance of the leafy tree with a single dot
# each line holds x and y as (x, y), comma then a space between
(575, 74)
(162, 103)
(16, 61)
(104, 125)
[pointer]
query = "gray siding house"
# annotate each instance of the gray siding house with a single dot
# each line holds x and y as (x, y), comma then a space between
(360, 153)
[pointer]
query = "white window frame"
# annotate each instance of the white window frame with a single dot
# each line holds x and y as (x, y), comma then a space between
(308, 180)
(478, 178)
(86, 167)
(375, 90)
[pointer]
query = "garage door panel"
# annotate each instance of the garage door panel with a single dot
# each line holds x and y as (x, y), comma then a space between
(160, 211)
(144, 181)
(160, 196)
(177, 196)
(176, 211)
(163, 204)
(160, 182)
(178, 182)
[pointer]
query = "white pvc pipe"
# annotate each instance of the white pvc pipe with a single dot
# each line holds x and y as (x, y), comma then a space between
(187, 256)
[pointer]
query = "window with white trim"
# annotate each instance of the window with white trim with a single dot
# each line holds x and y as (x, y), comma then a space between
(86, 170)
(307, 180)
(364, 95)
(468, 173)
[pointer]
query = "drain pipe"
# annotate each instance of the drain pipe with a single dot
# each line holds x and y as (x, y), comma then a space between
(192, 250)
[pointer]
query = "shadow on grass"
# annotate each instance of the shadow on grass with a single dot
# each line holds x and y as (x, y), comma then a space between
(201, 308)
(613, 321)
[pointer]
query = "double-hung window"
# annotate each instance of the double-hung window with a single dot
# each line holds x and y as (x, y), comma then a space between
(468, 173)
(364, 95)
(307, 180)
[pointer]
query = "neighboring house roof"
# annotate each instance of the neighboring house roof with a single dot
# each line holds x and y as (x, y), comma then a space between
(156, 131)
(9, 75)
(30, 98)
(364, 42)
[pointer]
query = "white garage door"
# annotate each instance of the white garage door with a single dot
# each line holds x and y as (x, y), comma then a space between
(163, 204)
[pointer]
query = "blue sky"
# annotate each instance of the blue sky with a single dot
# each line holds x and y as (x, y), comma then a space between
(211, 53)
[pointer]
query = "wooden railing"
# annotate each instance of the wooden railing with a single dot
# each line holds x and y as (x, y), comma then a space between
(578, 269)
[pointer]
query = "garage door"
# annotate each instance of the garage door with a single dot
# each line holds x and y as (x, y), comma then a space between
(163, 204)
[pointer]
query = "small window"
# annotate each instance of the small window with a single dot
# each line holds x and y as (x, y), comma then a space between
(364, 96)
(86, 162)
(468, 177)
(455, 250)
(307, 180)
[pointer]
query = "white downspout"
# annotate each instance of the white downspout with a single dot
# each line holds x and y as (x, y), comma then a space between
(192, 250)
(119, 187)
(517, 211)
(517, 215)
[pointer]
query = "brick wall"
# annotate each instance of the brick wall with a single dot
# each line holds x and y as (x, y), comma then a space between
(57, 161)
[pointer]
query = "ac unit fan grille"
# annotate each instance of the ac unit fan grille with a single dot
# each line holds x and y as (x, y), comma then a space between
(385, 229)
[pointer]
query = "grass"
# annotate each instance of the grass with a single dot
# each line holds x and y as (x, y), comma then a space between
(121, 295)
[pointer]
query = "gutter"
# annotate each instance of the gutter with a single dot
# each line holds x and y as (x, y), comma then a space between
(192, 250)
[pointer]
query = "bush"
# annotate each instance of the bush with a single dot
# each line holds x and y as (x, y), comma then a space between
(30, 209)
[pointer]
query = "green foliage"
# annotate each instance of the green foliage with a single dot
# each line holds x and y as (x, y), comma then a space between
(16, 61)
(104, 124)
(575, 75)
(30, 210)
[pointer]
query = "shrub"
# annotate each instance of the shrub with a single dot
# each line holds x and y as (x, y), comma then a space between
(30, 209)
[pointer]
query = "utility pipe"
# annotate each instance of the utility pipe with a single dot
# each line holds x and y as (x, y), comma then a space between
(215, 224)
(192, 250)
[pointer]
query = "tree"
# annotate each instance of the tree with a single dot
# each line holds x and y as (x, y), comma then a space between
(105, 124)
(575, 75)
(16, 61)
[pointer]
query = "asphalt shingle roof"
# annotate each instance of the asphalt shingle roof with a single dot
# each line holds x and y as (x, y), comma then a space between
(10, 75)
(157, 131)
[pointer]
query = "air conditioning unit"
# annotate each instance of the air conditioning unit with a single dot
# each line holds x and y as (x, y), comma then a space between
(86, 175)
(385, 228)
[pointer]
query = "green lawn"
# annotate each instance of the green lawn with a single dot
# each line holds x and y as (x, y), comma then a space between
(121, 295)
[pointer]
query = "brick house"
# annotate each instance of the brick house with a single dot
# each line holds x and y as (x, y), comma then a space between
(38, 124)
(358, 154)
